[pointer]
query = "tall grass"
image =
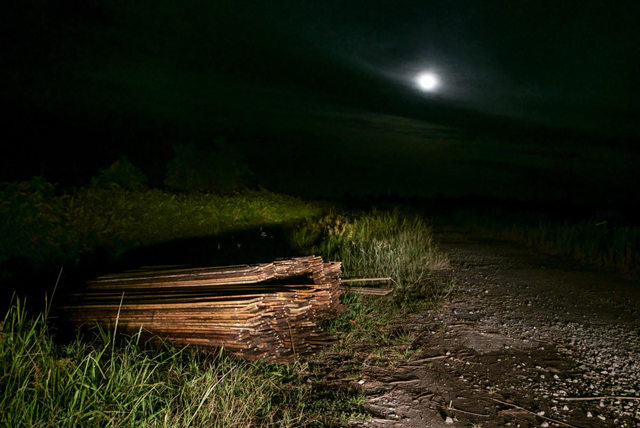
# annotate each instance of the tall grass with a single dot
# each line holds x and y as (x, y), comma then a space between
(378, 244)
(595, 241)
(375, 244)
(591, 243)
(119, 382)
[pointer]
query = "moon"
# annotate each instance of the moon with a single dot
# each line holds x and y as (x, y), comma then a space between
(427, 81)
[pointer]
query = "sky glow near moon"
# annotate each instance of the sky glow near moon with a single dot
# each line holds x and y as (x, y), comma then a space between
(427, 82)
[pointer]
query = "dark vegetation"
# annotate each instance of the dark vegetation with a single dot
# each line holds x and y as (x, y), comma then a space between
(208, 214)
(604, 237)
(600, 240)
(54, 377)
(91, 227)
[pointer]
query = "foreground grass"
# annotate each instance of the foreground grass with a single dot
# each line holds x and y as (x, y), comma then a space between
(120, 382)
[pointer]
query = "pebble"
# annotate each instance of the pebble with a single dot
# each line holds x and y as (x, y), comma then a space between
(606, 350)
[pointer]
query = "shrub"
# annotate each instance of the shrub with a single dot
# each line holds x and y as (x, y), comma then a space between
(30, 221)
(40, 229)
(219, 169)
(120, 175)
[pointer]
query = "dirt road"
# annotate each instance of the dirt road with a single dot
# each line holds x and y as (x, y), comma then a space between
(526, 341)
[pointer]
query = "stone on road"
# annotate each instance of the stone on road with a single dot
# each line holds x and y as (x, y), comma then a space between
(526, 340)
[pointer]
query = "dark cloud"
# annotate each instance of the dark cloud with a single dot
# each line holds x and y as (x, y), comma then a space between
(147, 74)
(563, 63)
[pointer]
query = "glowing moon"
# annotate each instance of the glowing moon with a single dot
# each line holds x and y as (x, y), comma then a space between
(427, 81)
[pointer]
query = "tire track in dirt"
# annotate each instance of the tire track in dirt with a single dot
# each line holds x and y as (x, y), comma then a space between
(526, 341)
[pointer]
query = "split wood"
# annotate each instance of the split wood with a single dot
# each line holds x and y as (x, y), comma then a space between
(532, 413)
(384, 421)
(260, 311)
(464, 411)
(424, 360)
(402, 382)
(366, 290)
(424, 395)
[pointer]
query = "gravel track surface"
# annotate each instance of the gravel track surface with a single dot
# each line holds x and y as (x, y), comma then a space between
(525, 341)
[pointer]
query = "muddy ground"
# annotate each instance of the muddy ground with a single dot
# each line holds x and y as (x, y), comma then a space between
(524, 341)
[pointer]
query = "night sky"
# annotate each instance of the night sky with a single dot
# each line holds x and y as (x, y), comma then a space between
(536, 99)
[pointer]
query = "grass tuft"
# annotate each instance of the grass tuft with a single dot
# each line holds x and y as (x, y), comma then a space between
(375, 244)
(123, 383)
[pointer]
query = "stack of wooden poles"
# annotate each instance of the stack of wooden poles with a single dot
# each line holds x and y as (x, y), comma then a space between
(260, 311)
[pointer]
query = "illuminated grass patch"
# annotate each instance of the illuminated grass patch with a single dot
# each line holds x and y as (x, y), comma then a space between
(119, 382)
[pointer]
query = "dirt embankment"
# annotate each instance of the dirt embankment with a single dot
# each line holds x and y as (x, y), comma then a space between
(526, 341)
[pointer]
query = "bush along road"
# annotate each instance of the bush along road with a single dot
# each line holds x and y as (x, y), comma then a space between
(525, 340)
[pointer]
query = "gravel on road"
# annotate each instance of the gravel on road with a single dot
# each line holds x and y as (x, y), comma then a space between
(526, 340)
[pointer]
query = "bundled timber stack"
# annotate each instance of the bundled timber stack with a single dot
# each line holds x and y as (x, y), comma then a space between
(261, 311)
